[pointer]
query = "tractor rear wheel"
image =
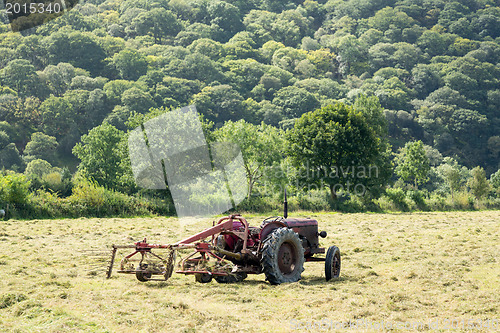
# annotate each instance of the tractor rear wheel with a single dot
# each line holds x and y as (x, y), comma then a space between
(282, 256)
(332, 263)
(231, 278)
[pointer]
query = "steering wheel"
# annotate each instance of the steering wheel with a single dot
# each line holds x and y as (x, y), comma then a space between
(271, 219)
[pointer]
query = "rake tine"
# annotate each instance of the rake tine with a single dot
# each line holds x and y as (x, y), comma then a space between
(111, 262)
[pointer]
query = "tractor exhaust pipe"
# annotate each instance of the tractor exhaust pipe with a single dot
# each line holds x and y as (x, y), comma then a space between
(285, 207)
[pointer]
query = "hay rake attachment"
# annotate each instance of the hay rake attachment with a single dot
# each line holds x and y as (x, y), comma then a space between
(204, 261)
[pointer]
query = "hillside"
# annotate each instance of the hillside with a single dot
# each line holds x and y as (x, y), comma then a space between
(434, 66)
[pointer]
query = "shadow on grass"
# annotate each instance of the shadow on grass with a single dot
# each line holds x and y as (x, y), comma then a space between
(305, 282)
(163, 284)
(157, 285)
(321, 280)
(254, 282)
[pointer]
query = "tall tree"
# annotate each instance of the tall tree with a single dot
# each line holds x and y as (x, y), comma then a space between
(495, 182)
(413, 164)
(295, 101)
(130, 63)
(478, 183)
(261, 145)
(21, 76)
(334, 147)
(452, 174)
(159, 22)
(103, 156)
(79, 49)
(41, 146)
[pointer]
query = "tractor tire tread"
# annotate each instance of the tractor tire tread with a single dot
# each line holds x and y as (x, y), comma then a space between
(269, 260)
(330, 254)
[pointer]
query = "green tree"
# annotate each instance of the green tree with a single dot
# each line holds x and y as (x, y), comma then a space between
(261, 145)
(89, 107)
(180, 90)
(226, 16)
(331, 146)
(130, 63)
(452, 174)
(21, 76)
(290, 27)
(195, 66)
(88, 83)
(412, 163)
(79, 49)
(390, 17)
(478, 183)
(103, 156)
(214, 50)
(159, 22)
(14, 189)
(295, 101)
(219, 103)
(38, 168)
(374, 114)
(31, 48)
(275, 5)
(10, 157)
(352, 54)
(115, 89)
(494, 146)
(394, 94)
(424, 79)
(57, 116)
(433, 42)
(495, 182)
(41, 146)
(58, 78)
(137, 100)
(370, 107)
(467, 122)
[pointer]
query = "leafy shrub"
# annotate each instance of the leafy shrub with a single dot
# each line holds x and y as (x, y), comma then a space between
(418, 197)
(90, 199)
(437, 202)
(46, 204)
(353, 204)
(258, 204)
(464, 201)
(44, 176)
(14, 189)
(493, 203)
(314, 200)
(397, 197)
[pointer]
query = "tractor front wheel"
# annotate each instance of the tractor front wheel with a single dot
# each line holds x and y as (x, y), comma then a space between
(282, 256)
(332, 263)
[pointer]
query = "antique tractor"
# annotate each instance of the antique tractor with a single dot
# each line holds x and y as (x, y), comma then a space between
(231, 249)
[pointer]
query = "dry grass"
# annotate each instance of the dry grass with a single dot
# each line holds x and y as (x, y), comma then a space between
(395, 267)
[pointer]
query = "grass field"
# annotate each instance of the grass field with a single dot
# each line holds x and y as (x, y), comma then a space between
(396, 268)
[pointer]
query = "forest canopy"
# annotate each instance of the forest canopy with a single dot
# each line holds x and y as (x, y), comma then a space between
(432, 67)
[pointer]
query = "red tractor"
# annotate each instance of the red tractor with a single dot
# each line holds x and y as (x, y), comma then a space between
(231, 249)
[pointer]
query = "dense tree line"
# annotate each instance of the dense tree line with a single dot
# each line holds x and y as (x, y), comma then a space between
(258, 66)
